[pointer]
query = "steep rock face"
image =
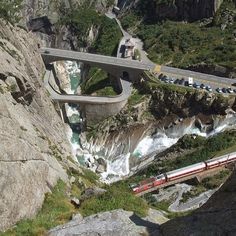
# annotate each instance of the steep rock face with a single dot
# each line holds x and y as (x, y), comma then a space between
(189, 10)
(31, 131)
(216, 217)
(44, 18)
(186, 104)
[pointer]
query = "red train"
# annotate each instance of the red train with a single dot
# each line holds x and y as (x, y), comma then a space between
(183, 172)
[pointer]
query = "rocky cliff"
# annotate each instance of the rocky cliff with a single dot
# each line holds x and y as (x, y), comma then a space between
(34, 146)
(190, 10)
(46, 19)
(184, 103)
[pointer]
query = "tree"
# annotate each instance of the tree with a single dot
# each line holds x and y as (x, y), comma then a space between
(10, 10)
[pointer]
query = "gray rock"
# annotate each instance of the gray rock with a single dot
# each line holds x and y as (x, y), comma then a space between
(114, 223)
(75, 201)
(100, 169)
(28, 169)
(72, 179)
(90, 192)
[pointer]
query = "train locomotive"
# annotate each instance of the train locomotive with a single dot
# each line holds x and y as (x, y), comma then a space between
(183, 172)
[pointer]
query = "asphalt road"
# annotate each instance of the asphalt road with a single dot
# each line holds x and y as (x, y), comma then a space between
(69, 98)
(60, 54)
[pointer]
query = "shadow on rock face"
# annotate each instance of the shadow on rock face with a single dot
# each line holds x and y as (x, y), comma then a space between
(152, 228)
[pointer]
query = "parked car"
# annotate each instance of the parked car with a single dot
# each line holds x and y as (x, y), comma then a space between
(219, 90)
(234, 90)
(181, 82)
(160, 76)
(171, 80)
(196, 85)
(164, 78)
(208, 88)
(229, 90)
(202, 86)
(177, 81)
(224, 90)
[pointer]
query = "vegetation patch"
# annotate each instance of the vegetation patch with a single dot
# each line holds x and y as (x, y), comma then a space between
(117, 196)
(211, 182)
(56, 210)
(183, 45)
(84, 18)
(98, 83)
(10, 10)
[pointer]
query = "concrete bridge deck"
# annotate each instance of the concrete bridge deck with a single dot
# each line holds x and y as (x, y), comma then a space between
(52, 54)
(120, 64)
(83, 99)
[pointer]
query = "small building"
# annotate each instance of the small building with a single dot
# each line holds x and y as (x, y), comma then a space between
(116, 10)
(129, 49)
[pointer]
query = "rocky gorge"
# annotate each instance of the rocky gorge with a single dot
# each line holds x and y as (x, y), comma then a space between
(36, 149)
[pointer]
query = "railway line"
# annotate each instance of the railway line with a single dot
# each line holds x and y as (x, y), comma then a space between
(205, 168)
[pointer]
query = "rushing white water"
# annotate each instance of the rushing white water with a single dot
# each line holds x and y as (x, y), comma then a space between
(118, 166)
(158, 143)
(73, 71)
(116, 169)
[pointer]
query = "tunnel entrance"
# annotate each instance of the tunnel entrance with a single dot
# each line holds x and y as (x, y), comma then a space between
(125, 75)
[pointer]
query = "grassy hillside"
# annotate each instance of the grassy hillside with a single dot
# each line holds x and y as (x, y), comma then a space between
(184, 44)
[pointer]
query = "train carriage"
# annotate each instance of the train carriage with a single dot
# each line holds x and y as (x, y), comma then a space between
(185, 171)
(220, 161)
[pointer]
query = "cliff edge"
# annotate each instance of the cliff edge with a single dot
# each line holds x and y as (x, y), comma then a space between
(33, 140)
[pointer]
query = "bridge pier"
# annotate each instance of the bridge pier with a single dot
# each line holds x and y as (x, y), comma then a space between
(95, 113)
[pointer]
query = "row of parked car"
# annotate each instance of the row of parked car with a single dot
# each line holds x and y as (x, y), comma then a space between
(196, 85)
(226, 90)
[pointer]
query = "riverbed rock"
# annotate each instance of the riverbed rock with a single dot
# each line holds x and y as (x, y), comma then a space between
(100, 169)
(113, 223)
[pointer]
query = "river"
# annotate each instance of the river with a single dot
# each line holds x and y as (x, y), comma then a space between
(118, 163)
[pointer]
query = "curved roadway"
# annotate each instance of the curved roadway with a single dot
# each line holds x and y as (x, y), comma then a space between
(70, 98)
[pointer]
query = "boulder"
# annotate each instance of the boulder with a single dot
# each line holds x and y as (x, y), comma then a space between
(113, 223)
(90, 192)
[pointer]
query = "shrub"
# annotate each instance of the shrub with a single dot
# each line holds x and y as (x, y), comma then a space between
(10, 10)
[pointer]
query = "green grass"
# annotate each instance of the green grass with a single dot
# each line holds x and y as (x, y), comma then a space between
(98, 83)
(135, 98)
(180, 44)
(211, 182)
(56, 210)
(117, 196)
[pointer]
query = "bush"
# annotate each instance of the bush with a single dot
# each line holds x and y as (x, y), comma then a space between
(10, 10)
(180, 44)
(108, 38)
(98, 82)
